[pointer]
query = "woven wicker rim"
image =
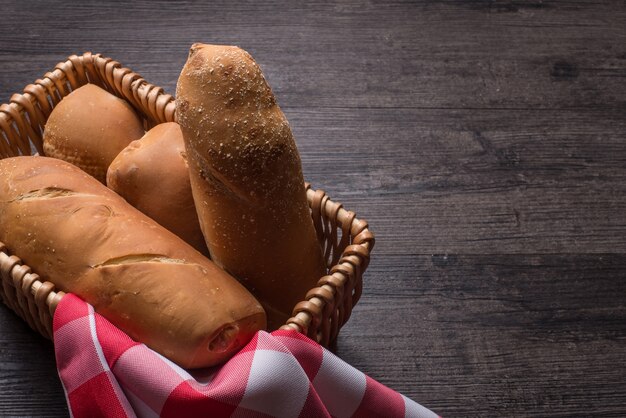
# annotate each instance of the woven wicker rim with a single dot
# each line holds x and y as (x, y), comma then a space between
(346, 241)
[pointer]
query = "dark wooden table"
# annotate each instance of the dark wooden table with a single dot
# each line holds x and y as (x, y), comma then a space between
(484, 141)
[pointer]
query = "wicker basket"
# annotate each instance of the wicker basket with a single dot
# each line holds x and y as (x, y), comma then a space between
(346, 241)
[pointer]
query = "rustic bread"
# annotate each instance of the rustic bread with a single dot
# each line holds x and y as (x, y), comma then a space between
(89, 127)
(151, 173)
(246, 178)
(84, 238)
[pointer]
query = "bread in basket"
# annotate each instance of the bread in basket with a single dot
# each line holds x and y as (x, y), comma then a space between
(345, 240)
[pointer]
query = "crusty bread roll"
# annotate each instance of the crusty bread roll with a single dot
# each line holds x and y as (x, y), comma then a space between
(83, 237)
(151, 173)
(89, 127)
(246, 178)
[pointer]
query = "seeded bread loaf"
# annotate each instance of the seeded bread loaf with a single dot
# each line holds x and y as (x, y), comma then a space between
(246, 178)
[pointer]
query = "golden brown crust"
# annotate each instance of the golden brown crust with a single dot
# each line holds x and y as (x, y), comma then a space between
(151, 173)
(246, 178)
(89, 127)
(87, 240)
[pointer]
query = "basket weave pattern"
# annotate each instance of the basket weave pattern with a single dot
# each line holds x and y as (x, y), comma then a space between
(345, 240)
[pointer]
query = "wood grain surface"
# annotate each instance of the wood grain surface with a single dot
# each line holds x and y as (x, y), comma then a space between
(484, 141)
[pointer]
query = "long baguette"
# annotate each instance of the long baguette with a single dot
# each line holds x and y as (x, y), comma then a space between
(78, 234)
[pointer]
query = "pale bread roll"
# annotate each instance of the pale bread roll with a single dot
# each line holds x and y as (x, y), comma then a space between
(151, 173)
(246, 178)
(84, 238)
(89, 127)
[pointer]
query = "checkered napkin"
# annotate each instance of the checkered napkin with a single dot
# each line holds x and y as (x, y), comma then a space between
(283, 374)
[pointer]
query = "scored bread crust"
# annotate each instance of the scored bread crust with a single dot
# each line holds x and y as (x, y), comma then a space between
(84, 238)
(246, 178)
(151, 173)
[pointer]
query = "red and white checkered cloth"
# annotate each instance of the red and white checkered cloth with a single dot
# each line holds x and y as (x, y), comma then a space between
(283, 374)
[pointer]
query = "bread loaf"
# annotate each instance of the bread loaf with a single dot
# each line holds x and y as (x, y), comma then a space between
(84, 238)
(89, 127)
(246, 178)
(151, 173)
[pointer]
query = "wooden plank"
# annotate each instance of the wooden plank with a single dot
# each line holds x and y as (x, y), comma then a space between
(503, 335)
(29, 382)
(351, 54)
(477, 181)
(482, 140)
